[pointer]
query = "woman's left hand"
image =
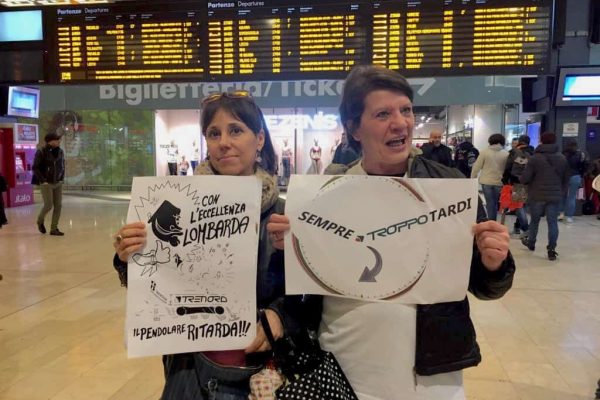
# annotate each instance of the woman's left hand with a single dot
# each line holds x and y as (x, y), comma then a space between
(261, 343)
(492, 240)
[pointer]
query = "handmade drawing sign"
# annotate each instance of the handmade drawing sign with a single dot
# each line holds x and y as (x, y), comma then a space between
(380, 238)
(193, 287)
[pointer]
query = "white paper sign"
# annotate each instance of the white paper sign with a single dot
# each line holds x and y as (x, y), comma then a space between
(380, 238)
(193, 287)
(570, 129)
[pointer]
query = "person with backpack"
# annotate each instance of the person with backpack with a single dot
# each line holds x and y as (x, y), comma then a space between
(577, 161)
(516, 162)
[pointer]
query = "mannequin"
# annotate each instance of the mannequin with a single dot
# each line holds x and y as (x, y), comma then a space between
(315, 156)
(195, 155)
(336, 143)
(287, 157)
(172, 153)
(183, 166)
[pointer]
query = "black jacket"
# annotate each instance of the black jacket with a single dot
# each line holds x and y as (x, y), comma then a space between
(464, 157)
(441, 154)
(577, 162)
(547, 174)
(49, 165)
(446, 339)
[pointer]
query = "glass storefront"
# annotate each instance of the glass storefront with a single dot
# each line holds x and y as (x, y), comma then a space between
(104, 148)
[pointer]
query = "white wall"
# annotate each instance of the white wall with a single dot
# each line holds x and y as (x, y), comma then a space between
(181, 126)
(487, 121)
(458, 117)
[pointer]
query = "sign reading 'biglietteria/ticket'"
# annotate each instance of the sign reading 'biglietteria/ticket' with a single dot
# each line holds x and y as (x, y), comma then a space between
(380, 238)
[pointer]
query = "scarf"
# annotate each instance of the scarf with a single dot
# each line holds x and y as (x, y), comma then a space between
(270, 191)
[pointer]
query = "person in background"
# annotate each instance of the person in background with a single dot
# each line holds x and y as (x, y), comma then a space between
(516, 162)
(3, 188)
(346, 153)
(49, 168)
(491, 163)
(436, 151)
(239, 144)
(578, 164)
(547, 177)
(513, 145)
(391, 350)
(465, 156)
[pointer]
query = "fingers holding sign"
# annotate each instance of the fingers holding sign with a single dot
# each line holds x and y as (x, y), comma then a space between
(129, 239)
(277, 227)
(493, 241)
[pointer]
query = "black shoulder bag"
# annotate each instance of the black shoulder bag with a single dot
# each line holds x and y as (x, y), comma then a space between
(312, 373)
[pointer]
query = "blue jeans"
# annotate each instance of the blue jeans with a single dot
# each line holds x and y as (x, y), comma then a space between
(537, 208)
(491, 193)
(521, 215)
(568, 203)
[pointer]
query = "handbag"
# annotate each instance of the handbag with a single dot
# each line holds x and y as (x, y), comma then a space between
(312, 373)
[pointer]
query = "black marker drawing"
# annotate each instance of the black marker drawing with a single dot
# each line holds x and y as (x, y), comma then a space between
(369, 275)
(157, 293)
(151, 260)
(178, 260)
(200, 310)
(165, 223)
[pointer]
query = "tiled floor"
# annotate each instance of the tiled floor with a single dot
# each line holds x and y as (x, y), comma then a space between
(61, 316)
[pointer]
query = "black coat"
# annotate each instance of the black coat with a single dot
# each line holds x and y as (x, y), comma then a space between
(547, 174)
(49, 165)
(441, 154)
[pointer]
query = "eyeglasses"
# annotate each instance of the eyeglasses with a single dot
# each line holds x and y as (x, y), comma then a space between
(238, 94)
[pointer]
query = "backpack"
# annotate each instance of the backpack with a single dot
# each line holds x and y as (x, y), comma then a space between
(520, 162)
(472, 155)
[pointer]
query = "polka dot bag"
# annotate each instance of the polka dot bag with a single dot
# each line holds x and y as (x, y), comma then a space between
(311, 372)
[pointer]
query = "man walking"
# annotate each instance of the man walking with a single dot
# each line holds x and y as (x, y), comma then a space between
(49, 169)
(547, 175)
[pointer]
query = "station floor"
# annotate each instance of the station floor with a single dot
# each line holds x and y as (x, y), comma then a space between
(62, 313)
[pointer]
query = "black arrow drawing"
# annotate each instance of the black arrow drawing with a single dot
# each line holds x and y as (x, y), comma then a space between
(369, 275)
(200, 310)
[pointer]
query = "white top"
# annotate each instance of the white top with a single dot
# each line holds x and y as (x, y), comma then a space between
(172, 152)
(375, 346)
(196, 154)
(491, 163)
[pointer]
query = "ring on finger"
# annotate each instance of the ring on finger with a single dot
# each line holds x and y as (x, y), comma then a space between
(119, 238)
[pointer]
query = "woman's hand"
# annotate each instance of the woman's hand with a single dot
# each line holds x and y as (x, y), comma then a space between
(277, 226)
(261, 343)
(492, 240)
(129, 239)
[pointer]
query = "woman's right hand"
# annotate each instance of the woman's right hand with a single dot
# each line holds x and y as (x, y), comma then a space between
(277, 227)
(129, 239)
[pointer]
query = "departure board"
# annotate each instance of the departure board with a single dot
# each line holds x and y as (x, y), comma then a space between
(457, 37)
(227, 40)
(112, 43)
(284, 38)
